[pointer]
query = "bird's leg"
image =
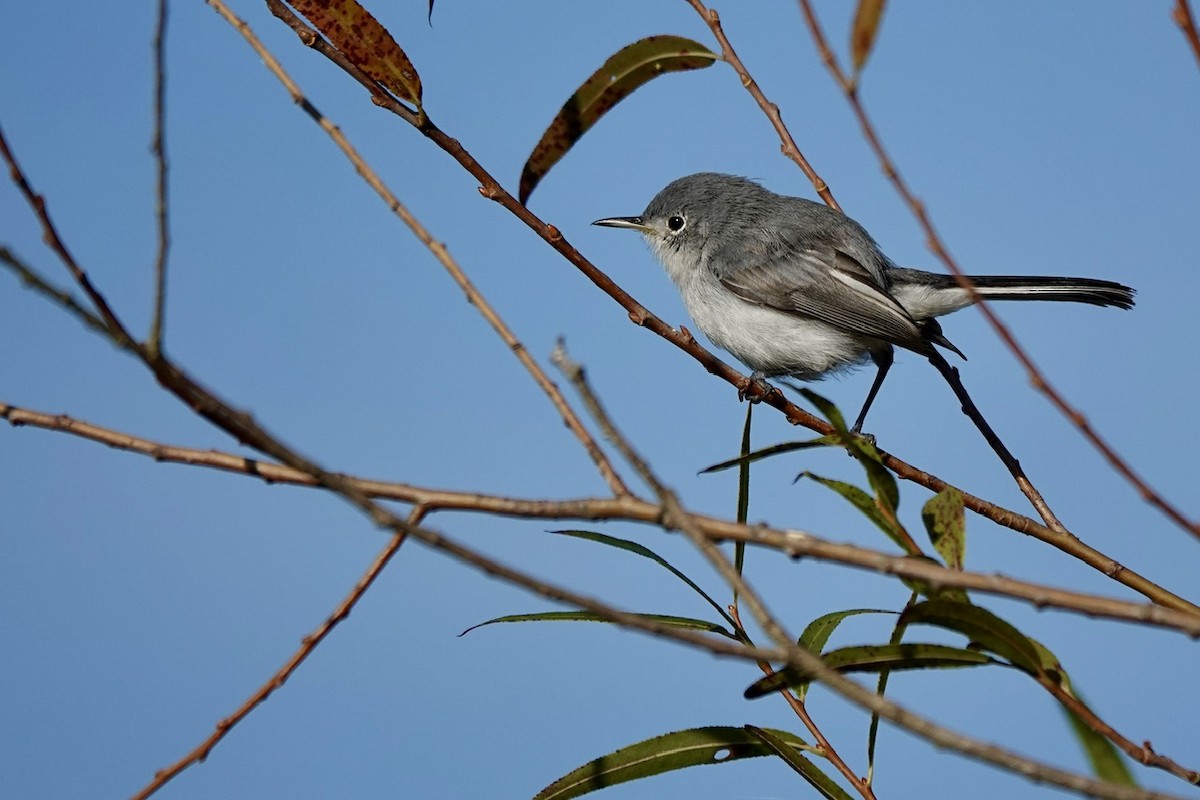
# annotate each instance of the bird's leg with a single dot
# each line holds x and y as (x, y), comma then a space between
(883, 361)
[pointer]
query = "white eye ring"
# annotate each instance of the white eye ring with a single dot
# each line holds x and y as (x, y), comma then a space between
(676, 223)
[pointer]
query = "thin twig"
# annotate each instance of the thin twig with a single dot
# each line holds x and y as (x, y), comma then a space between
(787, 143)
(307, 645)
(42, 285)
(1182, 14)
(683, 339)
(994, 441)
(934, 241)
(800, 709)
(1143, 754)
(159, 148)
(50, 234)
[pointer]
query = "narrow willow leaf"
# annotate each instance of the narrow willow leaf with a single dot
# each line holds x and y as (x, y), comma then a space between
(743, 498)
(625, 71)
(947, 526)
(807, 769)
(773, 450)
(646, 552)
(817, 633)
(591, 616)
(690, 748)
(864, 450)
(982, 627)
(862, 35)
(876, 658)
(881, 689)
(357, 35)
(866, 504)
(1107, 762)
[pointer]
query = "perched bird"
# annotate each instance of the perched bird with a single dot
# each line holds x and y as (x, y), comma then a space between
(795, 289)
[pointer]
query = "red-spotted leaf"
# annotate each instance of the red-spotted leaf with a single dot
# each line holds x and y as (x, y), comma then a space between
(946, 525)
(690, 748)
(626, 70)
(352, 30)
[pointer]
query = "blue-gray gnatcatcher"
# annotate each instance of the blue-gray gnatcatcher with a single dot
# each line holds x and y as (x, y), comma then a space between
(794, 289)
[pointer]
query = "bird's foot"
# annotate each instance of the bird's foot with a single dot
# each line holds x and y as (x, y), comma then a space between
(755, 380)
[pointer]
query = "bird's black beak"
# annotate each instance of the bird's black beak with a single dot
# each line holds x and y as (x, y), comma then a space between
(636, 223)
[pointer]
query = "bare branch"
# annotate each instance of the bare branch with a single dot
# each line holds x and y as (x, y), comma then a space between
(307, 645)
(50, 233)
(42, 285)
(158, 147)
(787, 143)
(794, 544)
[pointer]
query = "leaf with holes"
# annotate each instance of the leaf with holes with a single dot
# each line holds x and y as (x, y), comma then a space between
(626, 70)
(357, 35)
(807, 769)
(690, 748)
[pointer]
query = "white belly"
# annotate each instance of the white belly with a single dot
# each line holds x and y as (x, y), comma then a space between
(770, 341)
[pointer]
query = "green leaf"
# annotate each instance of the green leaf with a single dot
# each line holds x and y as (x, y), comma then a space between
(946, 523)
(357, 35)
(625, 71)
(876, 658)
(689, 748)
(773, 450)
(982, 627)
(743, 498)
(898, 631)
(817, 632)
(932, 591)
(807, 769)
(866, 504)
(646, 552)
(863, 449)
(862, 35)
(591, 616)
(1106, 760)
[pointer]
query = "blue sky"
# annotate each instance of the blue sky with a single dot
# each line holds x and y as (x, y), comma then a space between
(140, 603)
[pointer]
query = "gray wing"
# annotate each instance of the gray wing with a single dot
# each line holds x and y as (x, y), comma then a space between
(829, 285)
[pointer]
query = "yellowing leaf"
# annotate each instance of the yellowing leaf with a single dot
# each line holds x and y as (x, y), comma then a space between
(352, 30)
(626, 70)
(862, 35)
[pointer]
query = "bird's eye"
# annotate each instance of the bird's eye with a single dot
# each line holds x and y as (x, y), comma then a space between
(676, 223)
